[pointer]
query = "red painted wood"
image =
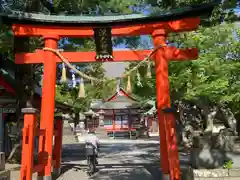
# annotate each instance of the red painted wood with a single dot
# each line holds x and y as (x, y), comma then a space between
(160, 64)
(57, 150)
(121, 91)
(169, 155)
(27, 168)
(4, 84)
(47, 108)
(187, 24)
(171, 53)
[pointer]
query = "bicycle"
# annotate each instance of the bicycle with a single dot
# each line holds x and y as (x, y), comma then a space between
(92, 155)
(92, 162)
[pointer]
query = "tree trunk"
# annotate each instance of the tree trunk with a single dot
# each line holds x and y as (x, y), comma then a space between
(185, 128)
(229, 118)
(209, 113)
(24, 74)
(24, 77)
(76, 119)
(209, 120)
(13, 152)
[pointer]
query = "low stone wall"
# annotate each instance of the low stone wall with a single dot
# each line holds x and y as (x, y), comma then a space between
(2, 161)
(5, 175)
(213, 158)
(213, 151)
(216, 174)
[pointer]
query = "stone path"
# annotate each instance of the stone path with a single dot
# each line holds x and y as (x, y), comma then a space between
(119, 160)
(72, 151)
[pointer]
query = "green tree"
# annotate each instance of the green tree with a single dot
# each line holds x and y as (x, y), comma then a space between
(224, 12)
(212, 80)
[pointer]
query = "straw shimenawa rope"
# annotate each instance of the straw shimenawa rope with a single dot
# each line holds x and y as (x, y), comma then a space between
(83, 75)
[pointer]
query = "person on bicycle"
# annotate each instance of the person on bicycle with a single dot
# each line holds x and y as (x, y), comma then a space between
(92, 142)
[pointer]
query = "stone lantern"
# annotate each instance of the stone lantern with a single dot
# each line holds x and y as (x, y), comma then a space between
(101, 117)
(89, 115)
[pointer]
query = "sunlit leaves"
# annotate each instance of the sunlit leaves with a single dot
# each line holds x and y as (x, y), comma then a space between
(214, 77)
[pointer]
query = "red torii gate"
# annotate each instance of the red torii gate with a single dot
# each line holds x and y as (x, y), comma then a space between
(51, 156)
(159, 32)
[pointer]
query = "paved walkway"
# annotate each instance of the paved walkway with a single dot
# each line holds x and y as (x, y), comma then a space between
(119, 160)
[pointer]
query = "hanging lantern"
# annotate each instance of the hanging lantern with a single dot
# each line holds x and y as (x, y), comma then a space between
(129, 85)
(81, 93)
(118, 86)
(139, 79)
(149, 73)
(103, 44)
(74, 83)
(64, 73)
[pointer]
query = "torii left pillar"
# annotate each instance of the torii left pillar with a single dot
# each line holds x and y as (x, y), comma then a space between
(47, 109)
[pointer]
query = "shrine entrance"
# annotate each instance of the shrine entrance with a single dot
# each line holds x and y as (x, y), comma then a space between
(56, 27)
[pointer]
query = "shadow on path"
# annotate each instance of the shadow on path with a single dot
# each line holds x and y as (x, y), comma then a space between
(120, 161)
(124, 171)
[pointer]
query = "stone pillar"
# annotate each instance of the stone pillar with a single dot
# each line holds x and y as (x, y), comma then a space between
(2, 154)
(1, 131)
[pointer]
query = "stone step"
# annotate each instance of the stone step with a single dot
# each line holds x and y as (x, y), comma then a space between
(68, 134)
(101, 132)
(5, 175)
(217, 178)
(216, 174)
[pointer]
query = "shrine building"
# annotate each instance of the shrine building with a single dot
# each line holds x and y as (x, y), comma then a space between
(121, 113)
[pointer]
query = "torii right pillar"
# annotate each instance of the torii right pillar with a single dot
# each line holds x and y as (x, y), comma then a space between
(167, 128)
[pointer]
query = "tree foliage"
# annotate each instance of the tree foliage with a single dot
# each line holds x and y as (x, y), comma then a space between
(213, 78)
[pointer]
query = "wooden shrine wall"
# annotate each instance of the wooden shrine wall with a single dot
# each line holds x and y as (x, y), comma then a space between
(121, 118)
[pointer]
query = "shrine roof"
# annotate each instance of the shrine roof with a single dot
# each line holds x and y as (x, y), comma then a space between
(120, 100)
(119, 94)
(11, 17)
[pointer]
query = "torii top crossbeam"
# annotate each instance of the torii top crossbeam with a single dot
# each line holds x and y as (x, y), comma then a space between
(100, 21)
(30, 24)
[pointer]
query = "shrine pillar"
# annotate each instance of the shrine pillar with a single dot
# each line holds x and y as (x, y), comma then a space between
(57, 151)
(169, 169)
(47, 109)
(162, 92)
(29, 132)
